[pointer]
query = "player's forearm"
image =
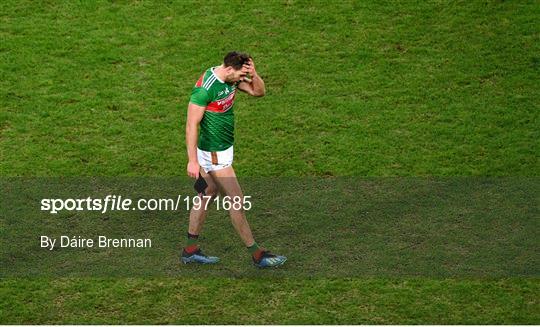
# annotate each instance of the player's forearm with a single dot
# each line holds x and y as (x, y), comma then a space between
(258, 85)
(191, 141)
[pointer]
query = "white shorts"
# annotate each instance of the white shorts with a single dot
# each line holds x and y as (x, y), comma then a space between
(210, 161)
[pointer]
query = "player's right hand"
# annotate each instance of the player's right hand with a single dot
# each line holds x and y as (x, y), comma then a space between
(193, 169)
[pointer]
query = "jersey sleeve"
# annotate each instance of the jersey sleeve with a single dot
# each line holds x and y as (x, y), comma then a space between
(199, 96)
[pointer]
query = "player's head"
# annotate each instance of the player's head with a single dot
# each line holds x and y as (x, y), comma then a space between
(233, 64)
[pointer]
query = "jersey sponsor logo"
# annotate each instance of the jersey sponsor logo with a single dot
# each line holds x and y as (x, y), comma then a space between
(222, 105)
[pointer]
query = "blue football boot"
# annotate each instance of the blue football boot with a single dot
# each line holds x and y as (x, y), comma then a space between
(268, 260)
(197, 257)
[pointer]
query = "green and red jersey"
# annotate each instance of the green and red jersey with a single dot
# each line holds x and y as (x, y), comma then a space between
(217, 125)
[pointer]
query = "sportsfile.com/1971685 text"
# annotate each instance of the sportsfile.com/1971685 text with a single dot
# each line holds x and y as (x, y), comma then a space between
(119, 203)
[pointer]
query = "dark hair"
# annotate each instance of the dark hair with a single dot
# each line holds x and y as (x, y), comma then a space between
(236, 59)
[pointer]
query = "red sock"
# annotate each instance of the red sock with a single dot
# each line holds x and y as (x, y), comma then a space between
(258, 254)
(191, 249)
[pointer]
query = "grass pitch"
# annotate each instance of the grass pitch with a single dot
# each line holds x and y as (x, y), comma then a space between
(356, 88)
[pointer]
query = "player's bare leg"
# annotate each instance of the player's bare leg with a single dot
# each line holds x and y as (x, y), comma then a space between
(191, 253)
(197, 215)
(226, 179)
(228, 183)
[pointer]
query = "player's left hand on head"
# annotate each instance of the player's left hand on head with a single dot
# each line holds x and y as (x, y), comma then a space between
(249, 68)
